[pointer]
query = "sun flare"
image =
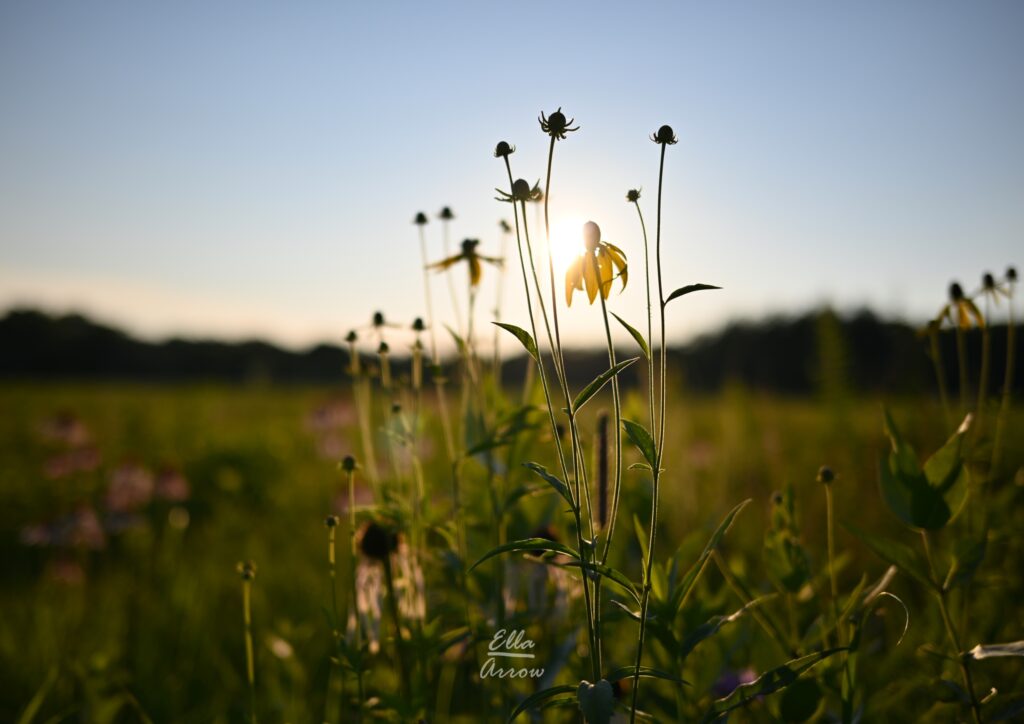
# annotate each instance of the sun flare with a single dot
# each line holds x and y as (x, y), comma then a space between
(566, 241)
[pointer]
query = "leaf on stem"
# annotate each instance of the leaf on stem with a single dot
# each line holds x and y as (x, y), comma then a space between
(687, 290)
(635, 333)
(523, 336)
(528, 545)
(639, 436)
(559, 487)
(600, 381)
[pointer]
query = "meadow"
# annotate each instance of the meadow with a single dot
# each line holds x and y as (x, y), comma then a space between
(437, 542)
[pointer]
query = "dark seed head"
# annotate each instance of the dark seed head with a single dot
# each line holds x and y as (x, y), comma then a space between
(378, 319)
(420, 219)
(383, 349)
(633, 195)
(521, 190)
(776, 498)
(665, 136)
(503, 149)
(418, 325)
(956, 292)
(1011, 274)
(446, 214)
(988, 281)
(591, 235)
(469, 246)
(351, 337)
(331, 521)
(348, 464)
(396, 408)
(825, 475)
(377, 541)
(247, 570)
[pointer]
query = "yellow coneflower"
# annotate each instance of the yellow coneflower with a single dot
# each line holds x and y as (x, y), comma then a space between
(471, 257)
(610, 263)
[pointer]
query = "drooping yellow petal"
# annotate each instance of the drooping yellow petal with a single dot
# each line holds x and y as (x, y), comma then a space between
(975, 312)
(590, 276)
(619, 259)
(475, 270)
(605, 271)
(445, 263)
(573, 279)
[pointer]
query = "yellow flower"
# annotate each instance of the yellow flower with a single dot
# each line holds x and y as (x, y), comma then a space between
(596, 266)
(470, 256)
(961, 310)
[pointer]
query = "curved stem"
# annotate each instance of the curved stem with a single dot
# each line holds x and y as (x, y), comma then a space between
(650, 333)
(451, 284)
(427, 296)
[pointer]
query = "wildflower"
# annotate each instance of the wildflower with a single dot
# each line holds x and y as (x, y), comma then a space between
(446, 214)
(665, 136)
(503, 150)
(961, 309)
(599, 260)
(633, 195)
(521, 192)
(420, 219)
(471, 257)
(351, 337)
(555, 125)
(332, 521)
(131, 487)
(825, 475)
(349, 464)
(418, 325)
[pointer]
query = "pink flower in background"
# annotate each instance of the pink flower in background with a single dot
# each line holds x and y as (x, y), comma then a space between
(172, 486)
(329, 416)
(78, 460)
(66, 429)
(131, 487)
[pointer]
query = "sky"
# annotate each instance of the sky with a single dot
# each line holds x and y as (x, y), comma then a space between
(241, 169)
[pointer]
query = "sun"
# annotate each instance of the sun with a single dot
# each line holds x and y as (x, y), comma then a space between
(566, 241)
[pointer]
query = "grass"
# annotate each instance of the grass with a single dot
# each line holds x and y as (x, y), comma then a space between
(157, 620)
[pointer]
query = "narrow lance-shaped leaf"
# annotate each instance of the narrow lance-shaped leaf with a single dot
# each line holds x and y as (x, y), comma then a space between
(689, 288)
(538, 697)
(560, 487)
(639, 436)
(527, 545)
(768, 683)
(600, 381)
(612, 574)
(987, 651)
(646, 672)
(713, 625)
(635, 333)
(690, 579)
(523, 336)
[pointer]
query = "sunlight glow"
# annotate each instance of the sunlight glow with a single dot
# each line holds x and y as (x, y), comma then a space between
(566, 241)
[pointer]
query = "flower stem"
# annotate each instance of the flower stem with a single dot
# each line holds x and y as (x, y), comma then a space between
(250, 657)
(353, 603)
(427, 296)
(650, 333)
(1004, 405)
(940, 372)
(656, 473)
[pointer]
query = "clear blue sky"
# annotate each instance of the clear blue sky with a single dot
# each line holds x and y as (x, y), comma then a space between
(252, 168)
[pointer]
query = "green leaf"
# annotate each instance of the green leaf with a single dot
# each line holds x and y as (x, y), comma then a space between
(460, 343)
(526, 545)
(523, 336)
(896, 553)
(927, 498)
(768, 683)
(597, 701)
(646, 672)
(612, 574)
(641, 536)
(987, 651)
(688, 289)
(600, 381)
(636, 335)
(712, 626)
(690, 579)
(539, 697)
(639, 436)
(560, 487)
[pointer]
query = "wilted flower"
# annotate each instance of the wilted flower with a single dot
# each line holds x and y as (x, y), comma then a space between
(665, 136)
(471, 257)
(599, 261)
(556, 125)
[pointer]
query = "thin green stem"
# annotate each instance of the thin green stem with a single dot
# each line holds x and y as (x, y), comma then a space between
(1004, 405)
(940, 596)
(650, 333)
(448, 277)
(940, 373)
(250, 656)
(353, 594)
(403, 670)
(961, 354)
(427, 295)
(656, 473)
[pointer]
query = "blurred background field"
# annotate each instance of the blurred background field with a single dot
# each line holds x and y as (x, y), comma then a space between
(115, 605)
